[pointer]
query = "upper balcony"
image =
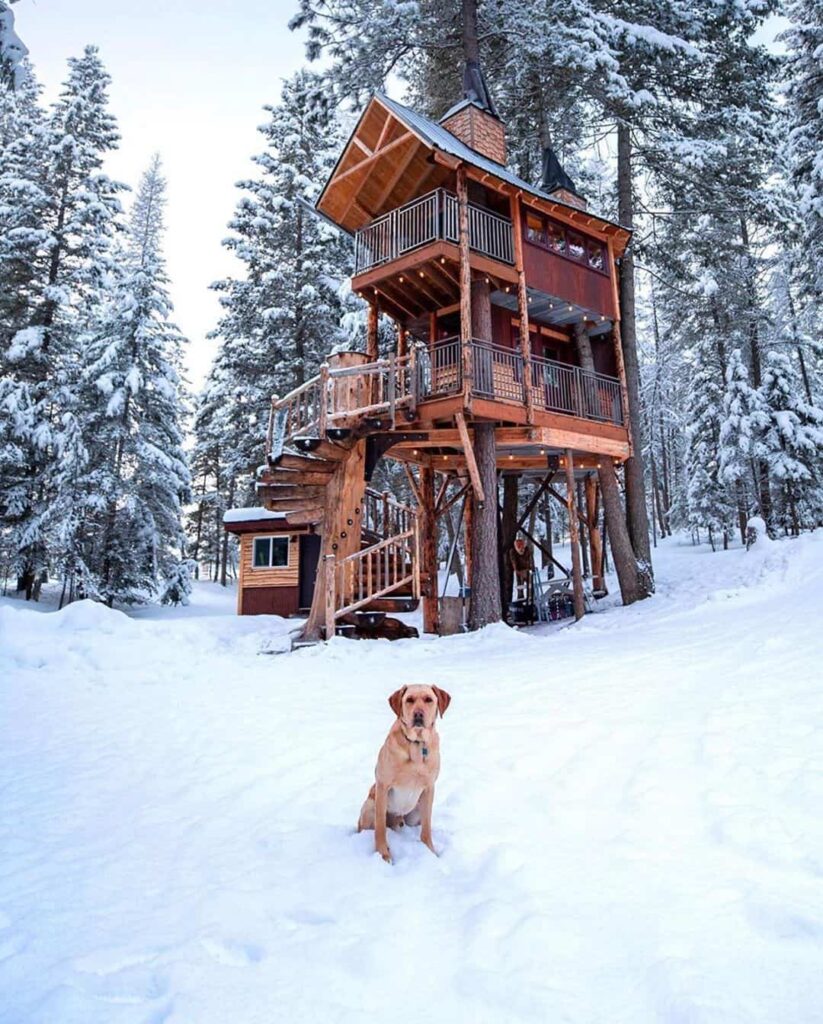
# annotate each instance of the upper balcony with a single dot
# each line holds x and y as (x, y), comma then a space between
(431, 218)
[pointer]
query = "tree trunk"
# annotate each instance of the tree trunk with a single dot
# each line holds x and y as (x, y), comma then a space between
(636, 510)
(584, 543)
(762, 467)
(225, 546)
(511, 486)
(625, 562)
(574, 539)
(428, 549)
(485, 602)
(485, 595)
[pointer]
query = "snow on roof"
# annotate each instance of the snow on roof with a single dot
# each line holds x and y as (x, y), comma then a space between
(250, 515)
(440, 138)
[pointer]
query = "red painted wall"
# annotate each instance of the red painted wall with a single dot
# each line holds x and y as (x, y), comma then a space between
(568, 280)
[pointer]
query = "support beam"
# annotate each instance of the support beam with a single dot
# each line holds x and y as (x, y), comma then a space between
(595, 537)
(471, 461)
(574, 539)
(522, 305)
(428, 546)
(465, 284)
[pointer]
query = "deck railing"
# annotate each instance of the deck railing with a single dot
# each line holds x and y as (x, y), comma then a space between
(431, 218)
(338, 397)
(499, 373)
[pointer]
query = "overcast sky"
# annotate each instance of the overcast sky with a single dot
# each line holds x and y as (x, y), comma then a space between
(189, 78)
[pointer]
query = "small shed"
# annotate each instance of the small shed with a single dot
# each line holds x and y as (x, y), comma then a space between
(278, 561)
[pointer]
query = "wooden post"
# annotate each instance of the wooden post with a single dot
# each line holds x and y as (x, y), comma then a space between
(329, 603)
(402, 340)
(324, 400)
(595, 537)
(371, 333)
(465, 285)
(574, 540)
(522, 305)
(428, 530)
(468, 537)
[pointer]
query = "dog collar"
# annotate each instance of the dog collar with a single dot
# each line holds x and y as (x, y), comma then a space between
(424, 750)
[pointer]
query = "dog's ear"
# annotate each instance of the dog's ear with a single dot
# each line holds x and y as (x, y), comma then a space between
(396, 700)
(443, 699)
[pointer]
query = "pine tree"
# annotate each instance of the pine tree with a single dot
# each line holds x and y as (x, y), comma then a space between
(70, 219)
(792, 444)
(803, 87)
(708, 505)
(282, 317)
(12, 50)
(130, 412)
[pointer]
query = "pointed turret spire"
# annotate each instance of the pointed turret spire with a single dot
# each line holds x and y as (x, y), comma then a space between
(556, 181)
(475, 89)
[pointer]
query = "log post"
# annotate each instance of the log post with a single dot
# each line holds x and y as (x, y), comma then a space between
(595, 537)
(465, 285)
(468, 538)
(574, 539)
(371, 333)
(522, 306)
(402, 340)
(329, 605)
(428, 545)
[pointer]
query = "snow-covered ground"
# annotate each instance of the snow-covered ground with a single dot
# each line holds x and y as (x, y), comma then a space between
(629, 815)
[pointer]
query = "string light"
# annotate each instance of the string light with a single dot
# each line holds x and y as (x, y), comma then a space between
(421, 273)
(401, 278)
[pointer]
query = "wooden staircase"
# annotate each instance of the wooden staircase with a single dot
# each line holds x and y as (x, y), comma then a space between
(316, 472)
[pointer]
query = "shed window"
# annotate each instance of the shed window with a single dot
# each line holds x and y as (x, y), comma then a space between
(271, 552)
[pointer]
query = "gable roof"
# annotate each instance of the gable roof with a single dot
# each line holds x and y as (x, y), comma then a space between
(436, 137)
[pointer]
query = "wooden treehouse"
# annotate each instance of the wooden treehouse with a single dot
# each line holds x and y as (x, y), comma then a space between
(506, 304)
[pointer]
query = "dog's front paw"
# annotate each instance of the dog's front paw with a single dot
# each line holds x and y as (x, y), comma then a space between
(430, 844)
(385, 853)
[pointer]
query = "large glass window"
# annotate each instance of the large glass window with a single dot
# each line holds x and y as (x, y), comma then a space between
(558, 238)
(271, 552)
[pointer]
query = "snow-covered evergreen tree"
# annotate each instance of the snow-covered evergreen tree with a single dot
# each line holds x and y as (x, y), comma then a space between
(282, 317)
(72, 217)
(130, 410)
(792, 444)
(803, 87)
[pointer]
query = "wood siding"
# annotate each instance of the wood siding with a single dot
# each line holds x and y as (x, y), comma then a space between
(269, 601)
(567, 279)
(284, 576)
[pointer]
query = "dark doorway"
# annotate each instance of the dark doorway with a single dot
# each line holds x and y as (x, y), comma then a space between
(309, 557)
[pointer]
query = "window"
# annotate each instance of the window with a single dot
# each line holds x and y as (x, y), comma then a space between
(557, 239)
(535, 229)
(577, 249)
(595, 254)
(271, 552)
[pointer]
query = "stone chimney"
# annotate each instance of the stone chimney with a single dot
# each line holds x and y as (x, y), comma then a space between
(474, 120)
(557, 183)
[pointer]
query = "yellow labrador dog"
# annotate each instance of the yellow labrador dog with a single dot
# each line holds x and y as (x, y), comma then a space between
(407, 767)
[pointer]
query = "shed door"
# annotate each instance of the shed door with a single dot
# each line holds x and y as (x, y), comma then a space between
(309, 557)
